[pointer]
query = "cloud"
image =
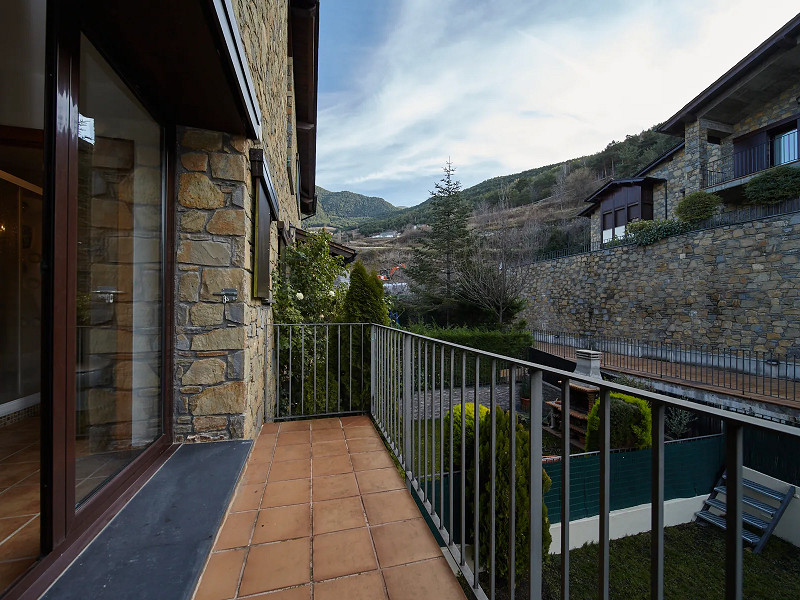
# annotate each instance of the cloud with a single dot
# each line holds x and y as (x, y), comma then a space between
(504, 86)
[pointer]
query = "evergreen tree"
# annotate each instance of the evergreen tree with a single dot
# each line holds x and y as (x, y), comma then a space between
(364, 301)
(436, 260)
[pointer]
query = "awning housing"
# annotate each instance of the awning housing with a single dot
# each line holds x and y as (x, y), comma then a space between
(183, 58)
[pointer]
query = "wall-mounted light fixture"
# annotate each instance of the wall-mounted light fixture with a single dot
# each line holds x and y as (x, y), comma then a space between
(228, 295)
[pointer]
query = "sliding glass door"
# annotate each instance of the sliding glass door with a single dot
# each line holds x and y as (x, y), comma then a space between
(22, 69)
(82, 276)
(119, 274)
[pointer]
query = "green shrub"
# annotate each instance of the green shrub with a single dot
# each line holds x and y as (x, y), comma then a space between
(697, 206)
(502, 513)
(773, 186)
(303, 285)
(631, 423)
(469, 424)
(364, 301)
(508, 342)
(645, 233)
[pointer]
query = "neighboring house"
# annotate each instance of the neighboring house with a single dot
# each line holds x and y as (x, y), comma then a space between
(148, 150)
(347, 253)
(742, 124)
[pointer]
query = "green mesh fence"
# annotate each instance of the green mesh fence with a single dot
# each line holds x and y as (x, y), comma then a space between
(691, 468)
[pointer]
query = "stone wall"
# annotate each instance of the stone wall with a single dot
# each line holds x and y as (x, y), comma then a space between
(221, 361)
(736, 286)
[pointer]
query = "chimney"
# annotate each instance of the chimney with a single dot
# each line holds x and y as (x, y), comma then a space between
(588, 363)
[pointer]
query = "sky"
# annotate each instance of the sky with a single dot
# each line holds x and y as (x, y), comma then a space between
(501, 86)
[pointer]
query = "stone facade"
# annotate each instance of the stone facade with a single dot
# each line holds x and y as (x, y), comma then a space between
(221, 349)
(734, 286)
(684, 170)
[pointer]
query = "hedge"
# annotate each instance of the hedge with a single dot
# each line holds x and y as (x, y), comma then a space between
(697, 206)
(508, 342)
(631, 423)
(645, 233)
(773, 186)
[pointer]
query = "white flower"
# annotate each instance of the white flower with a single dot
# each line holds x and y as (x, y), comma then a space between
(331, 293)
(299, 295)
(322, 316)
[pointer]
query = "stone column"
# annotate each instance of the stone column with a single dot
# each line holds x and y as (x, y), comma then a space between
(213, 396)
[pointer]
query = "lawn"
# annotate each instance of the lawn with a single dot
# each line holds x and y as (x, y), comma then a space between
(694, 568)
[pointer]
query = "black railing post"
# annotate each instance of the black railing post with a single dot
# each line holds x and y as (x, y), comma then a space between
(605, 493)
(733, 517)
(657, 505)
(565, 485)
(536, 499)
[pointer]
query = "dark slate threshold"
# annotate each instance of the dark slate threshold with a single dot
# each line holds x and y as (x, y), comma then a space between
(157, 545)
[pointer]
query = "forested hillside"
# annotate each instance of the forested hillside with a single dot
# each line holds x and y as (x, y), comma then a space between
(568, 179)
(347, 209)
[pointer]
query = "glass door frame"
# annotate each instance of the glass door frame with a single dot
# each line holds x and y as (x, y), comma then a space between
(65, 530)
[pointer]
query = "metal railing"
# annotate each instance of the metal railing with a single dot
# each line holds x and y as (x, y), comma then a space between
(421, 387)
(741, 370)
(321, 369)
(780, 150)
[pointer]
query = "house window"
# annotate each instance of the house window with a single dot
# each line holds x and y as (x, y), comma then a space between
(784, 147)
(625, 204)
(614, 224)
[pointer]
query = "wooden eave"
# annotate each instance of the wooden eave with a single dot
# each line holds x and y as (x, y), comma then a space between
(761, 73)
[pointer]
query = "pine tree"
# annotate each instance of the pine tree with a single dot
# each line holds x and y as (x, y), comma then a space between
(435, 262)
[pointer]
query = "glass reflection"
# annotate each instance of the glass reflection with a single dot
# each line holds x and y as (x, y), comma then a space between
(118, 408)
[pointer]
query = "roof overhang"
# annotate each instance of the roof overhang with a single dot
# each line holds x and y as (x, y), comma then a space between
(346, 252)
(763, 74)
(663, 158)
(305, 54)
(615, 183)
(183, 58)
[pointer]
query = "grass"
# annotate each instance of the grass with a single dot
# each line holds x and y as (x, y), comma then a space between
(694, 567)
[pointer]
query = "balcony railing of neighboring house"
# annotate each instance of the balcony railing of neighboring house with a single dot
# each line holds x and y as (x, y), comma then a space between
(779, 150)
(412, 382)
(741, 370)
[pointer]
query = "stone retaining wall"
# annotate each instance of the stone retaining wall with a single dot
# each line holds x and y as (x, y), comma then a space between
(734, 286)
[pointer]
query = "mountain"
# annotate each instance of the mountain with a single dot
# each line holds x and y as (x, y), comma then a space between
(348, 209)
(618, 160)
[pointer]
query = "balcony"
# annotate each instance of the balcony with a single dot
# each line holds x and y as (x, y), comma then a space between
(409, 385)
(739, 167)
(359, 486)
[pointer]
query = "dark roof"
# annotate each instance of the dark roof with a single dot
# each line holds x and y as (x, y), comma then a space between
(759, 59)
(346, 252)
(304, 48)
(664, 157)
(615, 183)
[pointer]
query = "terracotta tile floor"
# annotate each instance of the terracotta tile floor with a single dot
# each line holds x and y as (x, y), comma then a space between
(321, 512)
(19, 498)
